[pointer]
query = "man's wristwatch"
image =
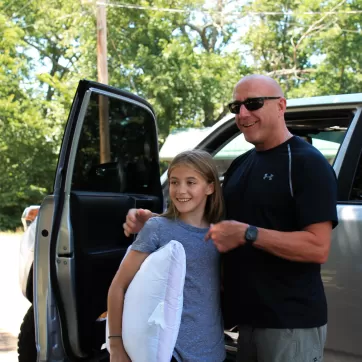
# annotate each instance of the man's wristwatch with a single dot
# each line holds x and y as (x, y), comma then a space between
(251, 234)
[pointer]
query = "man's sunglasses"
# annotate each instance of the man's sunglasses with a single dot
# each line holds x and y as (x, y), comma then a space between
(251, 104)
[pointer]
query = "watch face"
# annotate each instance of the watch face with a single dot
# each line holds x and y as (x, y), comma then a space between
(251, 233)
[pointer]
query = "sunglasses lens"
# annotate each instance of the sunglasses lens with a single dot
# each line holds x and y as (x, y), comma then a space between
(251, 104)
(234, 107)
(254, 104)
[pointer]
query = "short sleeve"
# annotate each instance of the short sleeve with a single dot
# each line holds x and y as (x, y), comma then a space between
(315, 190)
(147, 240)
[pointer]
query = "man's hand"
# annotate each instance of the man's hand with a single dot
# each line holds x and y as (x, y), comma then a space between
(227, 235)
(135, 220)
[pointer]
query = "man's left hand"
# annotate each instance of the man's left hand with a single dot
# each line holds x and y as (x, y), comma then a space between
(227, 235)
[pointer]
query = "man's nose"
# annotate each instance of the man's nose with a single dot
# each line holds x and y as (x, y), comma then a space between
(243, 112)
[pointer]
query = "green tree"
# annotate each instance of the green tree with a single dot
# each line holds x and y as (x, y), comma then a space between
(308, 47)
(340, 68)
(56, 35)
(26, 157)
(175, 60)
(184, 56)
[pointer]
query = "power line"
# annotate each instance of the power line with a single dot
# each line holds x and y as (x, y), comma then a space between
(250, 13)
(306, 12)
(139, 7)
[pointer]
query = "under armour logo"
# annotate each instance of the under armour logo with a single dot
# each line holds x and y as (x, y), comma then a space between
(268, 176)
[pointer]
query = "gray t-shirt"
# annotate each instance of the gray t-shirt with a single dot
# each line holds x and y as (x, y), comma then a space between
(201, 335)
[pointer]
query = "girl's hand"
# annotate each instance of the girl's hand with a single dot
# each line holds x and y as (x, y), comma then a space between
(119, 356)
(117, 351)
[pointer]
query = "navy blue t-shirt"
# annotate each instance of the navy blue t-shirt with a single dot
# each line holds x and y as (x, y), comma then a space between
(285, 188)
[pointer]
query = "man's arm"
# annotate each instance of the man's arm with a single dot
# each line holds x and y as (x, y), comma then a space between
(315, 196)
(311, 245)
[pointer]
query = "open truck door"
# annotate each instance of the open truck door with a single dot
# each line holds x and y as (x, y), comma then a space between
(108, 163)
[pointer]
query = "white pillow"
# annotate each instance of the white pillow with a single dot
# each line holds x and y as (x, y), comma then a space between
(153, 306)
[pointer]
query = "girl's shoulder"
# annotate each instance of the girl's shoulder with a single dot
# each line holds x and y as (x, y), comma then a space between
(159, 221)
(153, 235)
(164, 224)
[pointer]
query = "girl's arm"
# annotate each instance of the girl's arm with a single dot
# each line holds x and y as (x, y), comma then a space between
(116, 293)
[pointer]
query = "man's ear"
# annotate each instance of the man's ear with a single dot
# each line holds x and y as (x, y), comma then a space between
(282, 105)
(210, 188)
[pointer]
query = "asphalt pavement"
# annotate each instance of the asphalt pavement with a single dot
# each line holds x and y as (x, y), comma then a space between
(13, 305)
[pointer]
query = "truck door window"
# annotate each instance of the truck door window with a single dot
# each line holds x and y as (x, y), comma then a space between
(327, 142)
(356, 192)
(116, 150)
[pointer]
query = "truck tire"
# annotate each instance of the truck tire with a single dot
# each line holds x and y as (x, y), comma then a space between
(26, 339)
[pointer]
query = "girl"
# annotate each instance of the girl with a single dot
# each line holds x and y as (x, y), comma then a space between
(195, 203)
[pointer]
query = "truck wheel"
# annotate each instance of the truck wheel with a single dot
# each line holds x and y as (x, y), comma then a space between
(26, 339)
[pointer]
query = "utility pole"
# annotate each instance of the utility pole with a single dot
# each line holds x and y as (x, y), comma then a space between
(102, 68)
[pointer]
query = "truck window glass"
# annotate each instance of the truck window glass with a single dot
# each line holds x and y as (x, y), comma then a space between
(325, 130)
(356, 192)
(115, 151)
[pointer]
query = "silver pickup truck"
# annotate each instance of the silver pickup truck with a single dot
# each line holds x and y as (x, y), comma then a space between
(109, 163)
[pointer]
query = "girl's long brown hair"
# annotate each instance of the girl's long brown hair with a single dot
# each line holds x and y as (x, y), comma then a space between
(203, 163)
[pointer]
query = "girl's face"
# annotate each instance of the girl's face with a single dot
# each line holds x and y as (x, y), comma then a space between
(189, 191)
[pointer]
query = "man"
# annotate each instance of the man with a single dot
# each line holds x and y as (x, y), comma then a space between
(280, 203)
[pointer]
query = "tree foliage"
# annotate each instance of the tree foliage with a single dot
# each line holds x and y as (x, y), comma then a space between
(152, 53)
(26, 157)
(184, 56)
(309, 48)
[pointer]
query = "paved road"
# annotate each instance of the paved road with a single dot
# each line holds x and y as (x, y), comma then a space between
(13, 305)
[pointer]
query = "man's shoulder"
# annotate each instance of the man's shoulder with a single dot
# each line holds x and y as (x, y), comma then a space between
(236, 163)
(239, 161)
(308, 163)
(305, 152)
